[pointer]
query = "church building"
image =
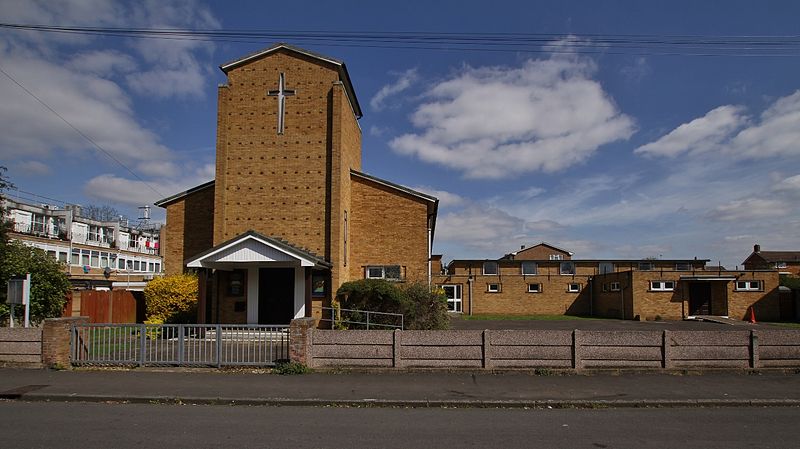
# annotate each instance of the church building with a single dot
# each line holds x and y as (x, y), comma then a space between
(290, 215)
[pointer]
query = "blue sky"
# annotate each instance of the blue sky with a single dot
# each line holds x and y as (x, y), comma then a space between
(604, 151)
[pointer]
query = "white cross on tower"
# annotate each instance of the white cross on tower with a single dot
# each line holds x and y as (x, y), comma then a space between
(281, 93)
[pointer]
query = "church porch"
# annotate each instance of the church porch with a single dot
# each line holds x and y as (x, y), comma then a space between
(254, 279)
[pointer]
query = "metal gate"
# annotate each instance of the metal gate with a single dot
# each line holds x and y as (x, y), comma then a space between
(179, 344)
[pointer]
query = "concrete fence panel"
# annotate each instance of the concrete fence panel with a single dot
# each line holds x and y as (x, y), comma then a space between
(21, 346)
(353, 348)
(528, 349)
(613, 349)
(711, 349)
(431, 349)
(779, 348)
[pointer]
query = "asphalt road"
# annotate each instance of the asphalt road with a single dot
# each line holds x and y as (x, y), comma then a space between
(99, 425)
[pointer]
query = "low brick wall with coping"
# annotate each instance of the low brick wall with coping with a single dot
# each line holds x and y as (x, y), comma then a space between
(552, 349)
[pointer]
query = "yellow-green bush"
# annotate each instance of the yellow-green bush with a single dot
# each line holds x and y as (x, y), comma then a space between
(171, 299)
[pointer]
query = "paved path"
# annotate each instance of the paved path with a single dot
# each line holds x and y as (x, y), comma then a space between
(413, 389)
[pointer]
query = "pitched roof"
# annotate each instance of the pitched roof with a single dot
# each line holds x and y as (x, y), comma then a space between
(342, 69)
(511, 255)
(171, 199)
(280, 244)
(777, 256)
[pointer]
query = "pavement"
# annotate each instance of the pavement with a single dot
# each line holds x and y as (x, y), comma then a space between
(405, 389)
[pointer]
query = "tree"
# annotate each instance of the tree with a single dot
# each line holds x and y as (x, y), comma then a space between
(171, 299)
(5, 225)
(49, 283)
(100, 213)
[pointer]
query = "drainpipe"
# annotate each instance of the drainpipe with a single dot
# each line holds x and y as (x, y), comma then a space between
(469, 287)
(591, 296)
(430, 251)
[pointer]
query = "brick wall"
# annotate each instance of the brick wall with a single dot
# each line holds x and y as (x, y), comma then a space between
(55, 340)
(387, 228)
(189, 229)
(275, 184)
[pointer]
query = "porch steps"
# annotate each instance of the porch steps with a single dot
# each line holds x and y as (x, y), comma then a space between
(719, 320)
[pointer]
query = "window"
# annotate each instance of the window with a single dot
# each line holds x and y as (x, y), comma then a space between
(453, 294)
(158, 267)
(567, 268)
(613, 286)
(556, 257)
(392, 272)
(683, 266)
(96, 259)
(136, 265)
(748, 286)
(94, 233)
(51, 253)
(605, 267)
(318, 282)
(780, 264)
(528, 267)
(490, 268)
(573, 287)
(534, 288)
(62, 257)
(38, 223)
(662, 286)
(85, 258)
(76, 257)
(645, 266)
(121, 264)
(103, 260)
(493, 288)
(151, 267)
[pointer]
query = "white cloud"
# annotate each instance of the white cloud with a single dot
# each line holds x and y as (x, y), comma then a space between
(498, 122)
(446, 199)
(790, 185)
(32, 168)
(728, 131)
(698, 136)
(404, 81)
(749, 209)
(103, 62)
(116, 189)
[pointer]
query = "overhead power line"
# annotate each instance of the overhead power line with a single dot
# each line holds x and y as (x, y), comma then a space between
(80, 133)
(651, 44)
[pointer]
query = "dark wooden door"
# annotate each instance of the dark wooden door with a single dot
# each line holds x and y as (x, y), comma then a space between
(275, 295)
(700, 298)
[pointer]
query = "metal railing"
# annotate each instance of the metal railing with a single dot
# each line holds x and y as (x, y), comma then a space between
(179, 344)
(361, 319)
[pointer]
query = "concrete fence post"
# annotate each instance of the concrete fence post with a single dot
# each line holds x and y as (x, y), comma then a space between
(755, 360)
(577, 362)
(56, 334)
(666, 350)
(486, 352)
(301, 343)
(397, 337)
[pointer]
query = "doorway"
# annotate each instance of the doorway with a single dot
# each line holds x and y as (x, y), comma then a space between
(700, 298)
(275, 295)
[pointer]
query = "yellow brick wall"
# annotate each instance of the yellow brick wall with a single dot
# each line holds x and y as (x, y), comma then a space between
(189, 229)
(275, 184)
(387, 228)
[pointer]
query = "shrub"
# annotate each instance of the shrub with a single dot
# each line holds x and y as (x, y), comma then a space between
(171, 299)
(49, 283)
(421, 307)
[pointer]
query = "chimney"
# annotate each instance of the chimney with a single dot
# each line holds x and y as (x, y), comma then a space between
(521, 247)
(756, 248)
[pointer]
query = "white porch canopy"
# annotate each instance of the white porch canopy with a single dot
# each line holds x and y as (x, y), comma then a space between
(252, 251)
